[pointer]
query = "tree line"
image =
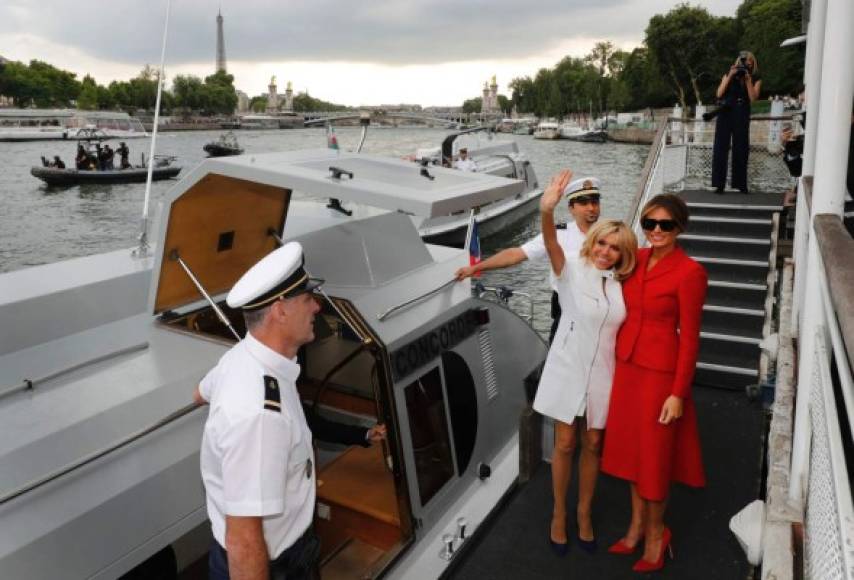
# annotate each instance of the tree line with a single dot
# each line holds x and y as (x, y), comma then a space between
(39, 84)
(684, 54)
(42, 85)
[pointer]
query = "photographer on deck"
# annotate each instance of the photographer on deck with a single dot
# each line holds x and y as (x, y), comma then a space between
(738, 89)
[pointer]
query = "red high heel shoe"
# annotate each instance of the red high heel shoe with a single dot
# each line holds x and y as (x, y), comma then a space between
(623, 549)
(645, 566)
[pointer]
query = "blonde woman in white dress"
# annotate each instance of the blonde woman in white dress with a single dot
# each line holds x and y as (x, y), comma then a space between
(576, 381)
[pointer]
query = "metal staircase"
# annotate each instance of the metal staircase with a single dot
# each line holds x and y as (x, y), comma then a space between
(735, 238)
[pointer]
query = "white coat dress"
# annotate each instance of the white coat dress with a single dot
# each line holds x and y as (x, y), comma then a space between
(579, 369)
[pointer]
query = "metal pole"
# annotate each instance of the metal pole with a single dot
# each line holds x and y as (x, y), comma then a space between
(142, 250)
(219, 313)
(834, 109)
(812, 80)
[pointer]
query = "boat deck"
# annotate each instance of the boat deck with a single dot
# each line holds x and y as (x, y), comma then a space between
(514, 543)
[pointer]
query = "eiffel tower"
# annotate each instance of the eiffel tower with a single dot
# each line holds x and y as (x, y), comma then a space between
(220, 44)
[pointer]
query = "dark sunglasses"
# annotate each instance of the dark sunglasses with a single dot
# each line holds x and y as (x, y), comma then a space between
(666, 225)
(586, 199)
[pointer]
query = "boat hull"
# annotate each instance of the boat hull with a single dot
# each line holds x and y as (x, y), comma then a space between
(217, 150)
(588, 137)
(54, 176)
(489, 222)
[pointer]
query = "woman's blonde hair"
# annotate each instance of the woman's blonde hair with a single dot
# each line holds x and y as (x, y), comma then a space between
(626, 242)
(752, 57)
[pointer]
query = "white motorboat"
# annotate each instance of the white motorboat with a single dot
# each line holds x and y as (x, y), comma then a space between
(70, 124)
(547, 130)
(492, 156)
(100, 446)
(574, 132)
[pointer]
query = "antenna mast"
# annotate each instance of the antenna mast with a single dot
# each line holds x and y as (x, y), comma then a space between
(142, 250)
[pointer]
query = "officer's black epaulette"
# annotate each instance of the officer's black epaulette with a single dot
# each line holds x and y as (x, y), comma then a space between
(560, 226)
(272, 396)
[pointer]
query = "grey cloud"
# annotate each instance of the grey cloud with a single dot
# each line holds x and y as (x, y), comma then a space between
(383, 31)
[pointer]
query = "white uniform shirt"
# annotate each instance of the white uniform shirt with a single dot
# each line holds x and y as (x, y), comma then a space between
(257, 461)
(579, 369)
(466, 164)
(570, 239)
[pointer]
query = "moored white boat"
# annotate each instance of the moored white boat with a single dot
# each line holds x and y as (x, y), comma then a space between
(70, 124)
(547, 130)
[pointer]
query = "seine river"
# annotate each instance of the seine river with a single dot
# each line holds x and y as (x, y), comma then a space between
(39, 225)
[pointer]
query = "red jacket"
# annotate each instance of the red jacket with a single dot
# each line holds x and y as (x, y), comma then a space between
(664, 308)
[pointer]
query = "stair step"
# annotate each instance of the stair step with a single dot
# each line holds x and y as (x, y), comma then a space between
(713, 212)
(733, 270)
(732, 226)
(355, 560)
(733, 206)
(722, 321)
(754, 249)
(725, 377)
(728, 353)
(735, 295)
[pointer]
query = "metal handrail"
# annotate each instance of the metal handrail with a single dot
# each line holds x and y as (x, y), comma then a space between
(503, 294)
(652, 159)
(837, 247)
(94, 456)
(29, 384)
(382, 316)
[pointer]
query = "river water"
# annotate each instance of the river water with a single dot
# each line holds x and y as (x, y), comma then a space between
(40, 225)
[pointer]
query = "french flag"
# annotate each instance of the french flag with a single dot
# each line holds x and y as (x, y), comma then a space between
(473, 243)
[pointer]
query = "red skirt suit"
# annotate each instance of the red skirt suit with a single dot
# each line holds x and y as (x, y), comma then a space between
(656, 355)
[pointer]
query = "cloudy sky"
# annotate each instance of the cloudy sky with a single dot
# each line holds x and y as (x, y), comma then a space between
(432, 52)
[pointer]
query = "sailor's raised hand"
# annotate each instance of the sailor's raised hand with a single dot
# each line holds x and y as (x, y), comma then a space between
(554, 191)
(465, 272)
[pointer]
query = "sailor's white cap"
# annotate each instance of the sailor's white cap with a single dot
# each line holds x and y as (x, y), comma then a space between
(582, 187)
(279, 274)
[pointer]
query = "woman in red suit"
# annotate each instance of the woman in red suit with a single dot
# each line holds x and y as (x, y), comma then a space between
(651, 437)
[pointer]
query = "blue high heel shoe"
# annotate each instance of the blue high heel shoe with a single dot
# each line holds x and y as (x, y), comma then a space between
(559, 549)
(588, 546)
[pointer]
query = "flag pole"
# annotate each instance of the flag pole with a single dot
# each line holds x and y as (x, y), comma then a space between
(469, 230)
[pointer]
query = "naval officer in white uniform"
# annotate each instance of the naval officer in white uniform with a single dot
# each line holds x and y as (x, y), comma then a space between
(465, 163)
(256, 455)
(583, 197)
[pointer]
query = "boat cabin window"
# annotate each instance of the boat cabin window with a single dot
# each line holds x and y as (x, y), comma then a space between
(462, 403)
(428, 425)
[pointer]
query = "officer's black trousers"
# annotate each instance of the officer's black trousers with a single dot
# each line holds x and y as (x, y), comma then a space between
(299, 562)
(732, 125)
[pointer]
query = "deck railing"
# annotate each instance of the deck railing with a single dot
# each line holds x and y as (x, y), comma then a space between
(681, 158)
(826, 437)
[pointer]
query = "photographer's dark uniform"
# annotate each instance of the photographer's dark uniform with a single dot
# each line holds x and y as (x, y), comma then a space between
(733, 122)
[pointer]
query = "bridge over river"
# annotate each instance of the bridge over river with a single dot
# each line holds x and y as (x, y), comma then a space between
(395, 118)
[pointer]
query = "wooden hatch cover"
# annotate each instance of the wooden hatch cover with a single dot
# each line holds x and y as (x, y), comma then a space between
(220, 227)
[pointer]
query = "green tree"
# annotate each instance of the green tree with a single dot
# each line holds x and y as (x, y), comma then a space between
(687, 46)
(305, 103)
(87, 99)
(763, 25)
(473, 105)
(220, 93)
(187, 91)
(258, 104)
(504, 104)
(521, 91)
